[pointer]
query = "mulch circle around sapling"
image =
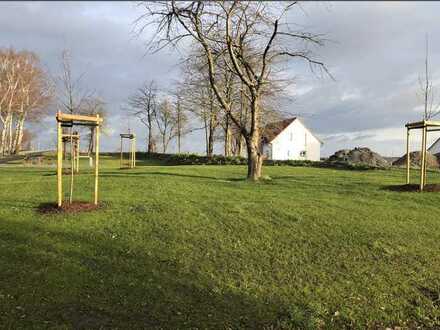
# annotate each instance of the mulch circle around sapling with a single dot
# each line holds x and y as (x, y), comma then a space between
(74, 207)
(433, 187)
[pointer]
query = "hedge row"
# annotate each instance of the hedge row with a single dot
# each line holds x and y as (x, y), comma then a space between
(194, 159)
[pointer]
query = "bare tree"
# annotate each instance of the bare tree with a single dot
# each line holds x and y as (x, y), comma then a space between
(92, 106)
(254, 39)
(35, 94)
(198, 97)
(202, 103)
(166, 123)
(181, 120)
(71, 94)
(74, 97)
(144, 103)
(431, 106)
(9, 85)
(25, 92)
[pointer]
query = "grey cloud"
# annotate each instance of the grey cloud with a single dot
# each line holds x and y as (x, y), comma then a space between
(375, 53)
(100, 37)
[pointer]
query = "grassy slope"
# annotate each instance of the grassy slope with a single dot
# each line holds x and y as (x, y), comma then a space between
(196, 246)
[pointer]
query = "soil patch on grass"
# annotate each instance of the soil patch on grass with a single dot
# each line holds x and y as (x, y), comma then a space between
(413, 187)
(74, 207)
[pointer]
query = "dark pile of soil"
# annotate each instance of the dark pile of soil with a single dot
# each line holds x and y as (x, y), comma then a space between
(414, 187)
(415, 159)
(358, 155)
(75, 207)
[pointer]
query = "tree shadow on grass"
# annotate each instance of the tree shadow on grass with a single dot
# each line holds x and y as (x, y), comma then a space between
(149, 162)
(18, 204)
(26, 170)
(412, 188)
(89, 281)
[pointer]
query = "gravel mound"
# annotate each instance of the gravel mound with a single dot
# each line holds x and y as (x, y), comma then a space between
(415, 159)
(361, 156)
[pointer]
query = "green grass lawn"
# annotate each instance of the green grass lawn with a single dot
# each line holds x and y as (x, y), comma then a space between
(183, 247)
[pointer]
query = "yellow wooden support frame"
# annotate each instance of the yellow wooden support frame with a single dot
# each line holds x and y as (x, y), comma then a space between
(132, 151)
(74, 140)
(426, 126)
(67, 117)
(72, 120)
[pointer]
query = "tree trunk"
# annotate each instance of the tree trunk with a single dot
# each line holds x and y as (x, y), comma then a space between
(151, 144)
(179, 125)
(210, 147)
(19, 129)
(150, 137)
(150, 148)
(239, 145)
(3, 141)
(255, 161)
(212, 125)
(253, 143)
(228, 137)
(164, 144)
(206, 128)
(91, 143)
(9, 137)
(179, 133)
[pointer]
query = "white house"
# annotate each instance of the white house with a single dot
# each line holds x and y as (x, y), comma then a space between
(290, 139)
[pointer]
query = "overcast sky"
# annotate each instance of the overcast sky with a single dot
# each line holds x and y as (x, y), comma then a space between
(376, 53)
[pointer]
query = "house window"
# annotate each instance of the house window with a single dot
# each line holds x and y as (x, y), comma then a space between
(303, 153)
(291, 136)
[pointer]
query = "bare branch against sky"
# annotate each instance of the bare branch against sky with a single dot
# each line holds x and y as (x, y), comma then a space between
(377, 65)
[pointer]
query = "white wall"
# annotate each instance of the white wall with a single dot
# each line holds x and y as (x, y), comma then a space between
(295, 139)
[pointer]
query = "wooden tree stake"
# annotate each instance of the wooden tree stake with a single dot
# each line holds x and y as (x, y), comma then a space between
(60, 163)
(120, 162)
(97, 161)
(422, 162)
(72, 168)
(131, 162)
(408, 162)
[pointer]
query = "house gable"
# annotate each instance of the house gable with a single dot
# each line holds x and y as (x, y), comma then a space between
(290, 139)
(273, 130)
